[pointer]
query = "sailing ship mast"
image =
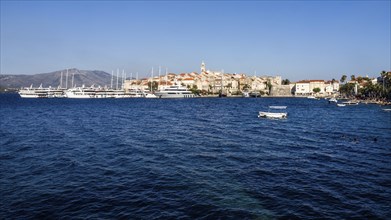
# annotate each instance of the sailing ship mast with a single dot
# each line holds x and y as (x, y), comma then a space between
(151, 79)
(123, 81)
(166, 77)
(61, 81)
(117, 80)
(66, 80)
(159, 79)
(112, 79)
(73, 78)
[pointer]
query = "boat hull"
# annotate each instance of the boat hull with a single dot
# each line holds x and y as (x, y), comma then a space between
(173, 96)
(272, 115)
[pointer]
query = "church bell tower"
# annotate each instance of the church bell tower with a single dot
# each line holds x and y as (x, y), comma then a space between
(203, 69)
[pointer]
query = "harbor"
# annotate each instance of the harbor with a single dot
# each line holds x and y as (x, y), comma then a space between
(208, 83)
(192, 157)
(199, 110)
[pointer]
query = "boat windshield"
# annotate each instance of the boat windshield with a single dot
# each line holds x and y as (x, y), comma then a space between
(277, 107)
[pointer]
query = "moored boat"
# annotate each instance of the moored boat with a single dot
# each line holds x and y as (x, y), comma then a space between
(350, 102)
(175, 92)
(150, 96)
(136, 93)
(80, 93)
(274, 112)
(40, 92)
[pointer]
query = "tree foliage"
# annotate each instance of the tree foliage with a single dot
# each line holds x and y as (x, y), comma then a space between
(380, 90)
(269, 86)
(343, 78)
(285, 82)
(347, 89)
(316, 90)
(154, 85)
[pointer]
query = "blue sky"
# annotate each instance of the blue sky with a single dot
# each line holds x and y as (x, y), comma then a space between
(294, 39)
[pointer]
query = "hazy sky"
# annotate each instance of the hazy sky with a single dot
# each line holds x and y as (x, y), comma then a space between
(294, 39)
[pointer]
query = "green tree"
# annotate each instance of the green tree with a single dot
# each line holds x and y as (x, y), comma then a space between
(347, 89)
(269, 86)
(353, 77)
(316, 90)
(195, 90)
(343, 78)
(380, 90)
(154, 85)
(386, 84)
(285, 82)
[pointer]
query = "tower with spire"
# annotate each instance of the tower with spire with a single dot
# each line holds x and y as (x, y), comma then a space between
(203, 68)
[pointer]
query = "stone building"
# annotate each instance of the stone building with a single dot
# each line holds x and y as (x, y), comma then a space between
(212, 82)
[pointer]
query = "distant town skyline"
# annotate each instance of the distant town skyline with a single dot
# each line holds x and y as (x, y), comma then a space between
(296, 40)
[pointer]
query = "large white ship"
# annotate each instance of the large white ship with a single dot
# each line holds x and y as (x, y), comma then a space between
(81, 93)
(33, 92)
(92, 92)
(40, 92)
(135, 93)
(175, 92)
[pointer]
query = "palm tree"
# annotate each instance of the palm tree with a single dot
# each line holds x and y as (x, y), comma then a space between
(269, 86)
(386, 84)
(353, 77)
(285, 82)
(343, 78)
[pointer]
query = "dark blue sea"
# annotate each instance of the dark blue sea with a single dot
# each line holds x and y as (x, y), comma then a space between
(203, 158)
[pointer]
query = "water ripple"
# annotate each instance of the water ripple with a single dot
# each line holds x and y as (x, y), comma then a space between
(194, 158)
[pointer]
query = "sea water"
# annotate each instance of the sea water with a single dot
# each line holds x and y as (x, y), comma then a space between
(192, 158)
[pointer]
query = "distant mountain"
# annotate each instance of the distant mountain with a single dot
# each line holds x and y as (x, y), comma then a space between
(53, 79)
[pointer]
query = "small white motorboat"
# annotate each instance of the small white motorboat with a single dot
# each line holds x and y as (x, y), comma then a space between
(333, 100)
(341, 105)
(387, 109)
(150, 96)
(276, 113)
(350, 103)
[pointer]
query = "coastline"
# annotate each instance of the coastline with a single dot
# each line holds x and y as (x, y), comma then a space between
(362, 101)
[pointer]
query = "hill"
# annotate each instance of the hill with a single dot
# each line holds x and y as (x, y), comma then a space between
(53, 79)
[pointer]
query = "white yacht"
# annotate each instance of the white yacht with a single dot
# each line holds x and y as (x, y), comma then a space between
(40, 92)
(119, 94)
(333, 100)
(150, 96)
(175, 92)
(80, 93)
(136, 93)
(33, 92)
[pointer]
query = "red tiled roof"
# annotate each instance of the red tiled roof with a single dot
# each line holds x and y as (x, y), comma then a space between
(309, 81)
